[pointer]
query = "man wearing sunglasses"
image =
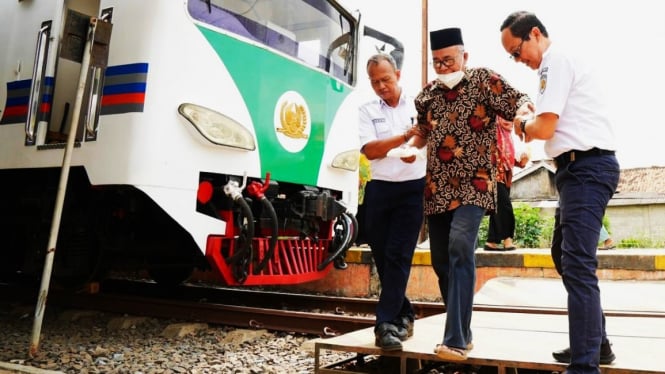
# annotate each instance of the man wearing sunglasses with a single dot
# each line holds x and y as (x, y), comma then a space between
(572, 118)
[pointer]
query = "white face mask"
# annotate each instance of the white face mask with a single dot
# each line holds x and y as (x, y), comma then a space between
(451, 79)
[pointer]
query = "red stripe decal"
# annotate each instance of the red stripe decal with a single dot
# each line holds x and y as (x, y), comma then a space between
(133, 98)
(45, 108)
(16, 110)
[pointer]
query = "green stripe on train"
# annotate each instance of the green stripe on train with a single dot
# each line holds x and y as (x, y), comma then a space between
(323, 95)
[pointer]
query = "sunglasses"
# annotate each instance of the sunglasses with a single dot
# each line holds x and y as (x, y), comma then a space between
(518, 51)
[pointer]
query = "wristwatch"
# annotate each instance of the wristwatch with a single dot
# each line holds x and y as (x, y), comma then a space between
(523, 126)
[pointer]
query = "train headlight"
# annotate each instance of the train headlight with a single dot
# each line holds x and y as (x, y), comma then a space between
(347, 160)
(217, 128)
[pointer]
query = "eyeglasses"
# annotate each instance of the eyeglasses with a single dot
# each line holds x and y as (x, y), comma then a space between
(447, 62)
(518, 51)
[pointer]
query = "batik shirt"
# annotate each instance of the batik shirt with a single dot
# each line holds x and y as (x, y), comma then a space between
(459, 125)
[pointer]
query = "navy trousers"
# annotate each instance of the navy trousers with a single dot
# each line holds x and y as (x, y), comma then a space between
(453, 237)
(585, 187)
(393, 218)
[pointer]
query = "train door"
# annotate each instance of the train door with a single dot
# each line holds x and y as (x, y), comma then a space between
(69, 79)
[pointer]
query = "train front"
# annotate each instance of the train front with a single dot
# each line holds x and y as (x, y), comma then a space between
(287, 216)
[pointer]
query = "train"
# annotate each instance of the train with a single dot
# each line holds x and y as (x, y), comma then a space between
(182, 135)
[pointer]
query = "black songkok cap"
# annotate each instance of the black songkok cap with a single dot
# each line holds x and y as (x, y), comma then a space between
(445, 38)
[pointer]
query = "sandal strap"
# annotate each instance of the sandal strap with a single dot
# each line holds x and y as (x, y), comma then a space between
(459, 351)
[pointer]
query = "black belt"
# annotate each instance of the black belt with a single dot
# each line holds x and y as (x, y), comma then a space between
(571, 156)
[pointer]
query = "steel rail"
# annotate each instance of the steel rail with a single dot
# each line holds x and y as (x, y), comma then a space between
(319, 315)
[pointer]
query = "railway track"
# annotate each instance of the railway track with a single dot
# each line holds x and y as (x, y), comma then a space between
(324, 316)
(307, 314)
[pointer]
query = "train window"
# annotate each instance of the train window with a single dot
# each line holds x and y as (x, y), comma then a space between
(311, 30)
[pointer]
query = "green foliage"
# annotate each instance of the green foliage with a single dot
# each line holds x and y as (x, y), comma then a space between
(547, 232)
(529, 226)
(531, 229)
(482, 232)
(641, 242)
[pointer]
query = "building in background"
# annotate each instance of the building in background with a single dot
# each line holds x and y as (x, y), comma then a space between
(635, 213)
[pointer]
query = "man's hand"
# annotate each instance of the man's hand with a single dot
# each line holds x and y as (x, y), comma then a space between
(414, 130)
(409, 159)
(524, 158)
(517, 126)
(526, 110)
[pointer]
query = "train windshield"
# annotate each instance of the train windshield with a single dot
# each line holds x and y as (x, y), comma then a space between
(312, 31)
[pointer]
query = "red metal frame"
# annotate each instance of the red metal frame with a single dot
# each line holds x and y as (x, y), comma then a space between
(294, 261)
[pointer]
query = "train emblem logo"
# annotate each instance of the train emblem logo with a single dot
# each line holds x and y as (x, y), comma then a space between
(292, 121)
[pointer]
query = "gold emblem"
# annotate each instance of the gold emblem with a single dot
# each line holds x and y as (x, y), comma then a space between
(293, 119)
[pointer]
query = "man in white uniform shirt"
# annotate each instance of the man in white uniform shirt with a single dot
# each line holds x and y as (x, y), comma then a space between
(393, 197)
(571, 117)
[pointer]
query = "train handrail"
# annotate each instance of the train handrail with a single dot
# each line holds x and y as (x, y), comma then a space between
(38, 73)
(99, 61)
(93, 102)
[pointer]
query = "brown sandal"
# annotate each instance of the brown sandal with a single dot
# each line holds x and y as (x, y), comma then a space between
(447, 353)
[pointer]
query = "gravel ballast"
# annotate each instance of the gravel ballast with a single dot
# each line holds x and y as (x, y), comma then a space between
(97, 342)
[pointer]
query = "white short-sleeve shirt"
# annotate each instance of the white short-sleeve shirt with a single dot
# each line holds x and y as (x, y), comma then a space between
(378, 120)
(568, 88)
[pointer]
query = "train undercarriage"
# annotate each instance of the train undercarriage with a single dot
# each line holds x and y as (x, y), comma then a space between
(274, 233)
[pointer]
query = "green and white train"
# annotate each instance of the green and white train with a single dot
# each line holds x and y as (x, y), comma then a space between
(213, 135)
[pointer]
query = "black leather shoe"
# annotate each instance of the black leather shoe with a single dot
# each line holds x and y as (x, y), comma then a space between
(606, 354)
(404, 326)
(387, 337)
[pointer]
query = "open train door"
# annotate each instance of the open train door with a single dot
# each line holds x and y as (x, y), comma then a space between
(69, 80)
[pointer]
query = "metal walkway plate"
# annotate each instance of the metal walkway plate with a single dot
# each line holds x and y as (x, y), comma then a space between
(509, 341)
